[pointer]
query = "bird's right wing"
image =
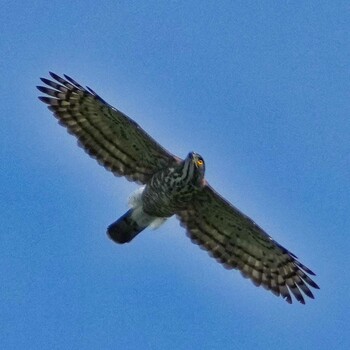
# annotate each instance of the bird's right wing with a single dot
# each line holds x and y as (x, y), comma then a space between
(237, 242)
(112, 138)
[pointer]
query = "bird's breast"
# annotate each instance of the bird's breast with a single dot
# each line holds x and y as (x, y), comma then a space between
(164, 195)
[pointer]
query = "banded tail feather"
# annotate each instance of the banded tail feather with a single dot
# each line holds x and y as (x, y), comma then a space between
(124, 229)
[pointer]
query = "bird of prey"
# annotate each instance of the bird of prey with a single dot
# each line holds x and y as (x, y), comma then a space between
(172, 186)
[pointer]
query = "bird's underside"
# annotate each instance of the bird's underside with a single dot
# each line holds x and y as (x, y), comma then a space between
(173, 187)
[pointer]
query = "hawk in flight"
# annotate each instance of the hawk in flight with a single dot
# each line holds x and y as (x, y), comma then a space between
(172, 186)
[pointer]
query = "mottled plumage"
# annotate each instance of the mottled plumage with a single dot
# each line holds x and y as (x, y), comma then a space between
(173, 187)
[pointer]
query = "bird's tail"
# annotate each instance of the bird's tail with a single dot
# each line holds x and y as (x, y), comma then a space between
(125, 228)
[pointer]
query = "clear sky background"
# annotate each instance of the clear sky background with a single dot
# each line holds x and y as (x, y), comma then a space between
(261, 89)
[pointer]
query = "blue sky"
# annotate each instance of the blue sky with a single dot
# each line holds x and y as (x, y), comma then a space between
(259, 89)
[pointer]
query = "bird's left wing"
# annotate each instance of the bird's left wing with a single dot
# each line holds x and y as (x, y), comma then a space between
(237, 242)
(112, 138)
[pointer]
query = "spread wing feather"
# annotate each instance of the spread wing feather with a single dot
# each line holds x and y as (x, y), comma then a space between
(112, 138)
(237, 242)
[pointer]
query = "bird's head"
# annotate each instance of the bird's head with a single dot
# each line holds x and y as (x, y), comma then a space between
(194, 168)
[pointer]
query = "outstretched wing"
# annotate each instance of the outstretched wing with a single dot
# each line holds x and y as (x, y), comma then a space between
(112, 138)
(237, 242)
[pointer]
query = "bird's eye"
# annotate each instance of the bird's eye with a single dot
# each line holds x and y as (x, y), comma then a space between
(199, 162)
